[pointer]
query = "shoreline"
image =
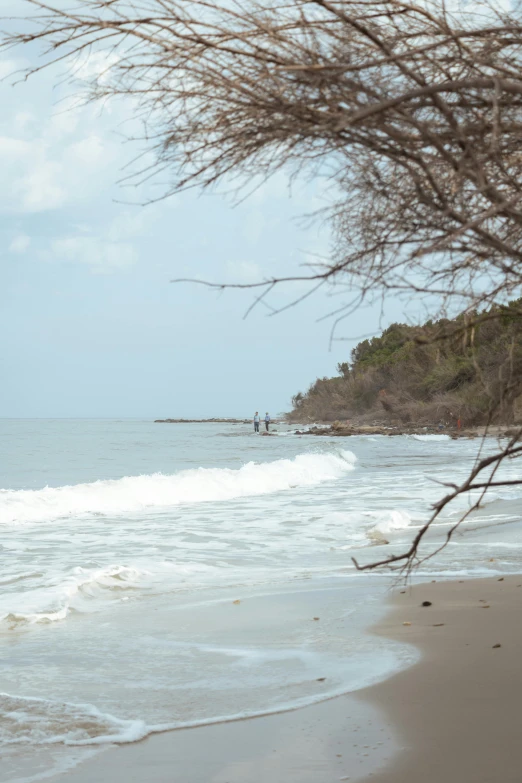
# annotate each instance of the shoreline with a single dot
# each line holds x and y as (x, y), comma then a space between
(303, 745)
(343, 430)
(340, 429)
(295, 744)
(452, 716)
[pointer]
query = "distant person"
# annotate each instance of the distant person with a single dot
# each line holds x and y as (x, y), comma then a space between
(267, 420)
(256, 422)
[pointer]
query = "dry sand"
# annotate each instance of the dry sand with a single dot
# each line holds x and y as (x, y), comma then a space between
(455, 715)
(458, 711)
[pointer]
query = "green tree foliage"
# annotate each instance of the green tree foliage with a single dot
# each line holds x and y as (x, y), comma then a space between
(468, 368)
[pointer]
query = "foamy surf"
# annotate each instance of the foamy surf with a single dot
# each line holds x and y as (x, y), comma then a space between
(136, 493)
(430, 438)
(58, 599)
(376, 526)
(32, 721)
(176, 615)
(389, 523)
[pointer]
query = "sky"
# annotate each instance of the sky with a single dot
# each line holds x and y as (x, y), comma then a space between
(92, 325)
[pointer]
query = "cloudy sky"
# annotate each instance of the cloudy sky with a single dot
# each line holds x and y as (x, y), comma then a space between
(91, 324)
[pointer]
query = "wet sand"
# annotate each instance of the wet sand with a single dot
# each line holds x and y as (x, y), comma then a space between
(452, 717)
(308, 745)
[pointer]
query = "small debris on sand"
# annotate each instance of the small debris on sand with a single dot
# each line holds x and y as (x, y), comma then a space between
(495, 646)
(321, 679)
(407, 623)
(426, 603)
(317, 618)
(437, 625)
(237, 601)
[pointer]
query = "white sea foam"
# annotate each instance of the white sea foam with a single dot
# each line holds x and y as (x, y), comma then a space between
(34, 721)
(58, 599)
(430, 438)
(135, 493)
(389, 522)
(31, 721)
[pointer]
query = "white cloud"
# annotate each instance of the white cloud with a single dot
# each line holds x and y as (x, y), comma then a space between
(8, 68)
(101, 255)
(65, 120)
(38, 176)
(12, 148)
(23, 122)
(133, 222)
(89, 66)
(30, 182)
(89, 151)
(55, 151)
(20, 244)
(42, 187)
(109, 249)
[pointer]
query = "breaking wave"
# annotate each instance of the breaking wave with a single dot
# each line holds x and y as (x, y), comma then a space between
(135, 493)
(82, 583)
(390, 521)
(431, 438)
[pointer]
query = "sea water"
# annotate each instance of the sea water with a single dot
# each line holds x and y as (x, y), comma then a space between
(156, 576)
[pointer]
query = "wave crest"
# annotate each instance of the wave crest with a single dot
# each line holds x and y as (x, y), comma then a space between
(431, 437)
(136, 493)
(390, 522)
(82, 583)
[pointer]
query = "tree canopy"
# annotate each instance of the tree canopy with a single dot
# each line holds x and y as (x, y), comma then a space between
(408, 375)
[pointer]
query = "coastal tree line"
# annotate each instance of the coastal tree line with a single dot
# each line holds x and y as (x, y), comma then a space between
(408, 375)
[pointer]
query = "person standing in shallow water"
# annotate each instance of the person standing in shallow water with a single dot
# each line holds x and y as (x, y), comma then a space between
(256, 422)
(267, 420)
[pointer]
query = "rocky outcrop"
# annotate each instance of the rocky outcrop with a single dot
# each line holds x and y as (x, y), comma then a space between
(341, 429)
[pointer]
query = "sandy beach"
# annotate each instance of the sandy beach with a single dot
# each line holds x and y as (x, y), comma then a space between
(458, 710)
(453, 716)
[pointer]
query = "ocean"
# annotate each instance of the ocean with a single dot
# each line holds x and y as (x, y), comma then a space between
(156, 576)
